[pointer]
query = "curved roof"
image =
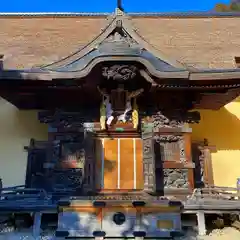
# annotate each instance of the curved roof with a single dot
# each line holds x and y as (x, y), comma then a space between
(117, 42)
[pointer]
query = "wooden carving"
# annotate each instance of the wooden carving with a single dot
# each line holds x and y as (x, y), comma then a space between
(135, 117)
(148, 161)
(60, 118)
(160, 120)
(118, 104)
(174, 119)
(120, 72)
(103, 116)
(172, 147)
(176, 178)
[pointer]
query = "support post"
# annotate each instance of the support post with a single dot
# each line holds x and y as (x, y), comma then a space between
(37, 224)
(201, 223)
(99, 238)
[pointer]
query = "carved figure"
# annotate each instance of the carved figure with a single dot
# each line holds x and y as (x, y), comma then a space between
(119, 96)
(105, 110)
(123, 117)
(135, 118)
(103, 116)
(109, 111)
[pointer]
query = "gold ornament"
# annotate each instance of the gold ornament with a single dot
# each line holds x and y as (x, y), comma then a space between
(103, 117)
(135, 117)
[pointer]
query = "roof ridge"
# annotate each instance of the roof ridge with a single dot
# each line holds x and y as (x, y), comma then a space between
(134, 14)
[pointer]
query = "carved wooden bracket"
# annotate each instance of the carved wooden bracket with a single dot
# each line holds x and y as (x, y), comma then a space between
(174, 120)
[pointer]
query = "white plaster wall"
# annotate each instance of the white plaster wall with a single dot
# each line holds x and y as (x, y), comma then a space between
(16, 129)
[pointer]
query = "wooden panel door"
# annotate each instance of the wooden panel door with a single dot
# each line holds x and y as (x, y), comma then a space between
(111, 164)
(119, 164)
(127, 162)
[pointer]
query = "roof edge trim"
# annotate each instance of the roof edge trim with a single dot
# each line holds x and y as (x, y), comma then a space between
(133, 14)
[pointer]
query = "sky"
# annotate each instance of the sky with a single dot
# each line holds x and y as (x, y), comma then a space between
(107, 5)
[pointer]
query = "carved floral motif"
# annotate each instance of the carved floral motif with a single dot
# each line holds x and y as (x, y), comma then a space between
(167, 138)
(175, 120)
(176, 178)
(160, 120)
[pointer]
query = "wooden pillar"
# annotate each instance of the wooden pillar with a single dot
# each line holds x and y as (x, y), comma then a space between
(37, 225)
(201, 223)
(149, 160)
(206, 163)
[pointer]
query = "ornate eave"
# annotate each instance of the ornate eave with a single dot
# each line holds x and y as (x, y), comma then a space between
(119, 41)
(119, 44)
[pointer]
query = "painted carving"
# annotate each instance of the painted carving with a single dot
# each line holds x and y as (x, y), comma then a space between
(114, 105)
(160, 120)
(175, 120)
(106, 111)
(103, 116)
(135, 117)
(176, 178)
(120, 72)
(124, 117)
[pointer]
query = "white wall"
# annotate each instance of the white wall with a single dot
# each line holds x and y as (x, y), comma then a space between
(16, 129)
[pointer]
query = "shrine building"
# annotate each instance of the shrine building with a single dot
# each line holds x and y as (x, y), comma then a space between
(179, 72)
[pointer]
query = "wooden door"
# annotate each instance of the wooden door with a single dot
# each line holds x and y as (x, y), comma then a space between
(119, 164)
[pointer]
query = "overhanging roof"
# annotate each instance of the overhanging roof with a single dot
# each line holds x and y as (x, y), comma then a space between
(120, 42)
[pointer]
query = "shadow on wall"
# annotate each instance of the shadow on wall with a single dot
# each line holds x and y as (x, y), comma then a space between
(17, 127)
(22, 124)
(222, 129)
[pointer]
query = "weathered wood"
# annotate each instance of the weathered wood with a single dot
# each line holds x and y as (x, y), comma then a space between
(149, 160)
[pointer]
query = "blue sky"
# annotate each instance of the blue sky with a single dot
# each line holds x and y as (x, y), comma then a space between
(106, 5)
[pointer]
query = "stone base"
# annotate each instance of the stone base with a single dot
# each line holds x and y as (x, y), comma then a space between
(120, 219)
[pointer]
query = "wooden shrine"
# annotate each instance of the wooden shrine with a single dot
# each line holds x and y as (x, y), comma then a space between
(118, 112)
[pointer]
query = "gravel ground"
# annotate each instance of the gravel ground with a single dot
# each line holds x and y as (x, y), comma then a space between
(223, 234)
(227, 233)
